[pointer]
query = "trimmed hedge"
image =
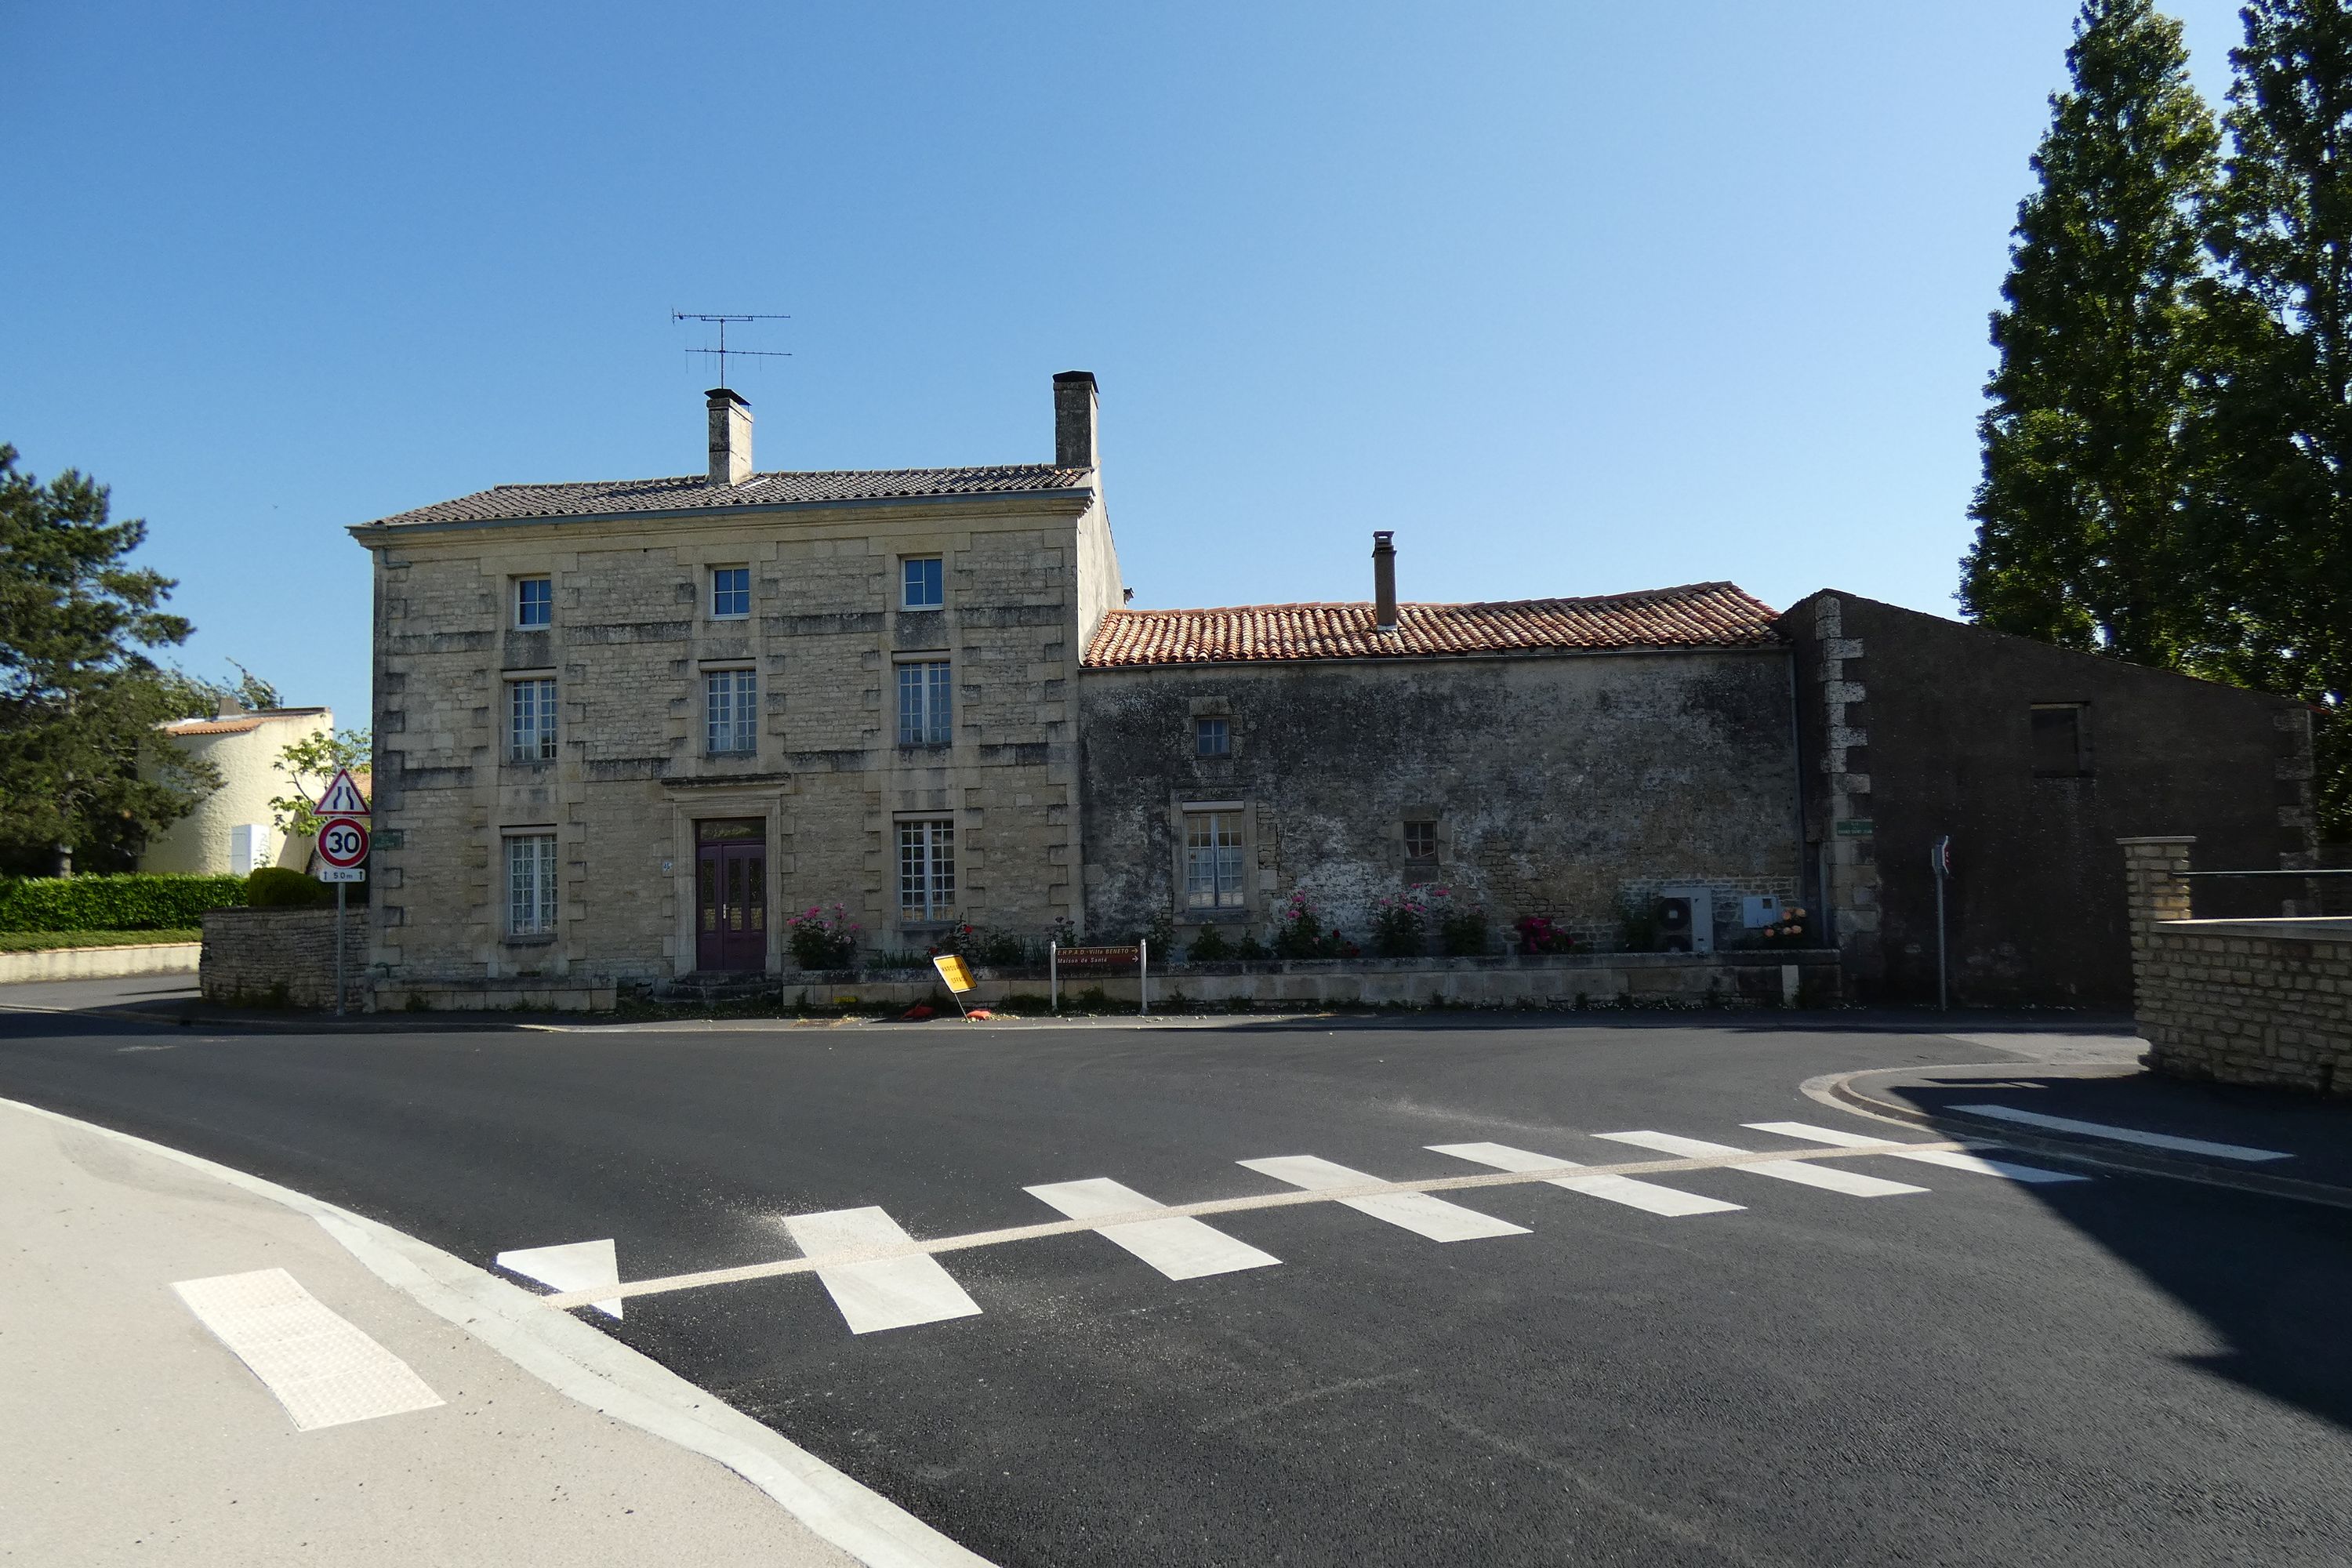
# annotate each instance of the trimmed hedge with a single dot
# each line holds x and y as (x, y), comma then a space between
(136, 901)
(277, 888)
(50, 941)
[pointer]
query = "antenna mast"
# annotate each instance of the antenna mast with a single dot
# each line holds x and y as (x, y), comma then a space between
(722, 350)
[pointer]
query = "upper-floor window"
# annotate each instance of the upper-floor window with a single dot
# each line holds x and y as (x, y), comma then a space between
(922, 583)
(730, 709)
(2061, 740)
(1420, 841)
(1213, 738)
(530, 720)
(530, 884)
(925, 715)
(534, 601)
(730, 592)
(1213, 859)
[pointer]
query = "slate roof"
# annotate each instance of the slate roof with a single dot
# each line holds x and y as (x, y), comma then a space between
(692, 492)
(1699, 615)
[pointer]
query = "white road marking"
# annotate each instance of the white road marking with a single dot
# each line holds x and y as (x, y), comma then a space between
(1852, 1183)
(878, 1293)
(574, 1266)
(1647, 1197)
(323, 1370)
(1180, 1247)
(1416, 1212)
(1950, 1159)
(2124, 1134)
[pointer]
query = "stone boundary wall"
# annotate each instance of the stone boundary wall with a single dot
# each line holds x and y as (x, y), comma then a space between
(99, 962)
(2252, 1002)
(282, 958)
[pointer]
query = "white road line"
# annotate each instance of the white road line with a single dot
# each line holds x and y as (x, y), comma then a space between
(323, 1370)
(878, 1293)
(1180, 1247)
(574, 1266)
(1647, 1197)
(1950, 1159)
(1852, 1183)
(2123, 1134)
(1416, 1212)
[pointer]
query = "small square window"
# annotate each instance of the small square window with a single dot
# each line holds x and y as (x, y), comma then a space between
(730, 592)
(1420, 841)
(924, 582)
(2061, 740)
(1213, 738)
(534, 601)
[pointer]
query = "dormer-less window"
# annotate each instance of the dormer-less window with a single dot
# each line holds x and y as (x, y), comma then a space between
(534, 601)
(731, 593)
(922, 583)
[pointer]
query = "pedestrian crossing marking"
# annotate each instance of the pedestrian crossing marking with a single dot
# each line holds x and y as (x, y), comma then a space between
(574, 1266)
(1648, 1196)
(1950, 1159)
(2123, 1134)
(1416, 1212)
(1854, 1184)
(1181, 1248)
(877, 1293)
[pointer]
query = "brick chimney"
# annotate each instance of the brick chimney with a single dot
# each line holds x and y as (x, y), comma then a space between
(1075, 401)
(1384, 614)
(730, 437)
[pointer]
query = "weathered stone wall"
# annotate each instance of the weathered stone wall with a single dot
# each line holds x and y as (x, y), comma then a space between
(282, 958)
(631, 643)
(1559, 786)
(2252, 1002)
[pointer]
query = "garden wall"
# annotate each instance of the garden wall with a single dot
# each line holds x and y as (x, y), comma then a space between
(281, 958)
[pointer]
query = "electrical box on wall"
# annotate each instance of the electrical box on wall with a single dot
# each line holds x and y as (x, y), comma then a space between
(1760, 910)
(1685, 919)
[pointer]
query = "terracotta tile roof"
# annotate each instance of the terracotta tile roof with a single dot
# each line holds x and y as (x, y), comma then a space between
(1702, 615)
(235, 724)
(692, 492)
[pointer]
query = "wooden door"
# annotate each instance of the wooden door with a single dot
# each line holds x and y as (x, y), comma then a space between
(730, 917)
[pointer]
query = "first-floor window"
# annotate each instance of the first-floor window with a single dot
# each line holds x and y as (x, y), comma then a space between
(1213, 859)
(926, 870)
(731, 701)
(530, 720)
(924, 708)
(530, 884)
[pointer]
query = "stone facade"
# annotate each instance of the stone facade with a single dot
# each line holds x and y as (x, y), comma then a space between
(2252, 1002)
(1564, 785)
(282, 958)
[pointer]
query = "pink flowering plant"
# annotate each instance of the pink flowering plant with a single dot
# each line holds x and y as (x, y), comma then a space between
(1299, 932)
(822, 938)
(1541, 933)
(1399, 926)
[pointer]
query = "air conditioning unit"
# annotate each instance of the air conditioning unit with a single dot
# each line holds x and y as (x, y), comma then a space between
(1685, 918)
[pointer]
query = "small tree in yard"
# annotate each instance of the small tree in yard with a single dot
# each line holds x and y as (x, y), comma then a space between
(310, 764)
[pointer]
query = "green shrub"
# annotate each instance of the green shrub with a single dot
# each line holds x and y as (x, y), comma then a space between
(277, 888)
(134, 901)
(1209, 946)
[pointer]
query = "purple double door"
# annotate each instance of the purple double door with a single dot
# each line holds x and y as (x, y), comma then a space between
(730, 897)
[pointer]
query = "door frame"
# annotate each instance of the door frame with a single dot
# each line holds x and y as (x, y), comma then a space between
(688, 807)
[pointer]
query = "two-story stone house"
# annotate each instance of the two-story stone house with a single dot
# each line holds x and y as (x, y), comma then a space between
(623, 729)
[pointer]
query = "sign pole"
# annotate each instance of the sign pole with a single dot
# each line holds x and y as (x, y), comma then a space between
(343, 890)
(1941, 857)
(1054, 974)
(1143, 975)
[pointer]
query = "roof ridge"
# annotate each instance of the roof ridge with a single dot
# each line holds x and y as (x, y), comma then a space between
(1632, 595)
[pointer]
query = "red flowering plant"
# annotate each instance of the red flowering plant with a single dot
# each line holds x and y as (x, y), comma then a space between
(1541, 933)
(1399, 926)
(822, 938)
(1299, 932)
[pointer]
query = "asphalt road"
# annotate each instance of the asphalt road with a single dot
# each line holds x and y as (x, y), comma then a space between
(2124, 1370)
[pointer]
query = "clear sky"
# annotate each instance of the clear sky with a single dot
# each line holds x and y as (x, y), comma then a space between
(1577, 298)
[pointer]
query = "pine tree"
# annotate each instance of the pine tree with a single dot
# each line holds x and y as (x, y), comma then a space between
(2080, 536)
(2277, 521)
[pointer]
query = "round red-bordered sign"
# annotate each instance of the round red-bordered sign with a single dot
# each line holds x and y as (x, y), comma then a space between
(343, 842)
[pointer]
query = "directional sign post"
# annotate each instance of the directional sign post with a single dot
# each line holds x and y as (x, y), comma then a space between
(342, 853)
(1939, 861)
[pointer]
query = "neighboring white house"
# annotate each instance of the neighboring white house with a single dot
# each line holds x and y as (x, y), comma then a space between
(231, 829)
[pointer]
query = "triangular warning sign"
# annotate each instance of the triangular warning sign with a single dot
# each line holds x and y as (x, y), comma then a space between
(343, 797)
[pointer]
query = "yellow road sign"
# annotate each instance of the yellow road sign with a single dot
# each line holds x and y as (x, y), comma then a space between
(955, 972)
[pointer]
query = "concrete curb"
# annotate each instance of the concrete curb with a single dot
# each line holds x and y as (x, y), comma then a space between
(1838, 1089)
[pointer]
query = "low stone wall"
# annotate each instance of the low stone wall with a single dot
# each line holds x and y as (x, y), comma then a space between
(540, 995)
(1806, 977)
(282, 958)
(99, 962)
(2254, 1002)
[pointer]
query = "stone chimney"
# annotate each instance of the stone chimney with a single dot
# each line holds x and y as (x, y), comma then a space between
(1384, 614)
(1075, 401)
(730, 437)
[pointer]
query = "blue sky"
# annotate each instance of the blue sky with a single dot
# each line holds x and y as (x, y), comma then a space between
(1576, 298)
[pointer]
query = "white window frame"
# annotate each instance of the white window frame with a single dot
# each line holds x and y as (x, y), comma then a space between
(734, 719)
(521, 624)
(530, 735)
(1216, 858)
(742, 614)
(532, 880)
(905, 600)
(926, 702)
(927, 885)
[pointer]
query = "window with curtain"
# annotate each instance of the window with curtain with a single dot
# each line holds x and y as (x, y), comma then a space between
(731, 705)
(1212, 860)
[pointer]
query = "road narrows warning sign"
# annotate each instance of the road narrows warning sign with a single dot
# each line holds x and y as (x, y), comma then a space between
(343, 797)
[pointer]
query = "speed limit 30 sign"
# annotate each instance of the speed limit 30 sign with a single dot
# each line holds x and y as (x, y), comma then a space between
(343, 842)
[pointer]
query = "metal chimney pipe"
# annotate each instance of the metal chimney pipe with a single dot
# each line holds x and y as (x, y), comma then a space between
(1384, 610)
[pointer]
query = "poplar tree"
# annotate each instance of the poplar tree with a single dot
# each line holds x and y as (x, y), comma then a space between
(2082, 537)
(2277, 516)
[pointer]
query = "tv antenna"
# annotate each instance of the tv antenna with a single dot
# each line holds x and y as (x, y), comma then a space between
(722, 350)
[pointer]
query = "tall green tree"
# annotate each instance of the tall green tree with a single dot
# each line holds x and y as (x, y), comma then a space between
(2277, 517)
(79, 697)
(2081, 537)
